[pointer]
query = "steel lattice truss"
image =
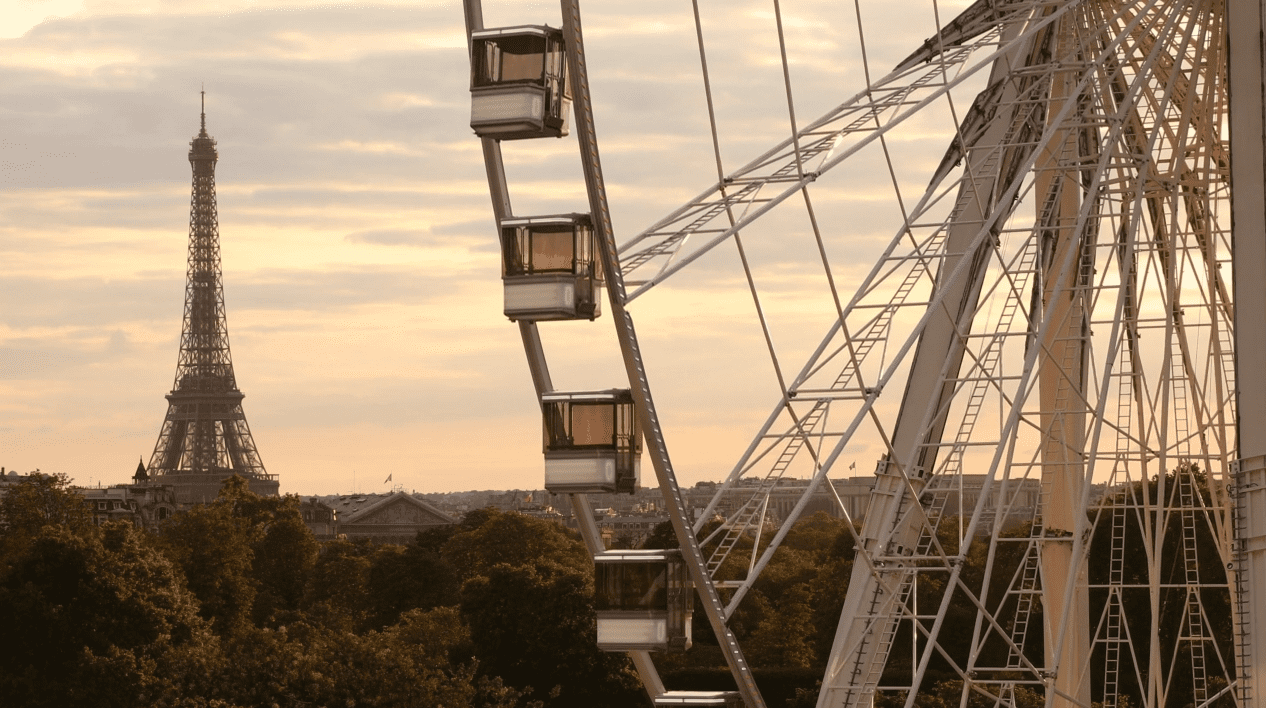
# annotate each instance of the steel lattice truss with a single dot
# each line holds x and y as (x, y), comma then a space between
(205, 431)
(1043, 351)
(1068, 254)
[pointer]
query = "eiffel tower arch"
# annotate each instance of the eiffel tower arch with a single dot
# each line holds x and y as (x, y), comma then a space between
(205, 439)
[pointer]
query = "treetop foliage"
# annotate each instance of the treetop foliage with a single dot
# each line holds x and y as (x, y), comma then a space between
(235, 603)
(38, 501)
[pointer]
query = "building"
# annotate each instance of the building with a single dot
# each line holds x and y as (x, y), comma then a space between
(626, 531)
(319, 517)
(852, 492)
(384, 518)
(144, 502)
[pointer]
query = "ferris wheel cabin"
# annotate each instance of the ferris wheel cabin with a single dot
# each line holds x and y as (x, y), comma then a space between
(549, 268)
(644, 601)
(699, 699)
(518, 83)
(592, 442)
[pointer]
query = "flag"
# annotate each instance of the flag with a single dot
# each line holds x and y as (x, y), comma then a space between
(853, 466)
(388, 479)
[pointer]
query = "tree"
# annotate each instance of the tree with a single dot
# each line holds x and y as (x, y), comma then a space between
(284, 557)
(246, 557)
(98, 619)
(488, 537)
(338, 593)
(212, 547)
(409, 577)
(284, 548)
(534, 626)
(410, 664)
(37, 501)
(784, 638)
(661, 537)
(789, 618)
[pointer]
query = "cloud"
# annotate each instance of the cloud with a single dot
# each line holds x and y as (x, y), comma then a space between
(393, 237)
(334, 290)
(360, 258)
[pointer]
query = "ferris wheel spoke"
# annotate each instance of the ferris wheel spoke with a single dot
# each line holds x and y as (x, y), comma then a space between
(833, 138)
(1052, 313)
(843, 376)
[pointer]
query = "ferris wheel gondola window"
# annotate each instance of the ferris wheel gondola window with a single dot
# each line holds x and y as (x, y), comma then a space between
(592, 442)
(548, 268)
(518, 83)
(644, 600)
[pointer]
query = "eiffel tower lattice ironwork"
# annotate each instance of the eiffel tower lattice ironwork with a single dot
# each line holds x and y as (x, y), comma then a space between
(205, 438)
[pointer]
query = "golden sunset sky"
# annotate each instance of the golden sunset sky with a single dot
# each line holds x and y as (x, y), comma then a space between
(360, 262)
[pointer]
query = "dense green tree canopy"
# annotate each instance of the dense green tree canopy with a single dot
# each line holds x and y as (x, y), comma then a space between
(247, 558)
(534, 626)
(512, 539)
(95, 618)
(37, 501)
(213, 549)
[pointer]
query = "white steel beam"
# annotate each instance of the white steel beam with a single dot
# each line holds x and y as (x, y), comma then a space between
(891, 528)
(652, 434)
(1062, 382)
(1245, 25)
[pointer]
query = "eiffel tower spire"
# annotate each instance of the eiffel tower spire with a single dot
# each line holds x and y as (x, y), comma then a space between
(205, 438)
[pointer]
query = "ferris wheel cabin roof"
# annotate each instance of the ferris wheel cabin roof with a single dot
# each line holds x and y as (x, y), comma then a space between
(656, 555)
(539, 30)
(699, 698)
(549, 220)
(615, 395)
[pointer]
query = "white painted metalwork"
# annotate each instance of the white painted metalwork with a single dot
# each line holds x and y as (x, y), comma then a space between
(1054, 310)
(699, 699)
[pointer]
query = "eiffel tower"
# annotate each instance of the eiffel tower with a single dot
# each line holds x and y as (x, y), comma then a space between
(205, 438)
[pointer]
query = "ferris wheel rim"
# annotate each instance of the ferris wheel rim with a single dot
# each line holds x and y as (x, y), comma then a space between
(911, 480)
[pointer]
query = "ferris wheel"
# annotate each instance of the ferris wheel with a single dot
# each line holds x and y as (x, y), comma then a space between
(1041, 347)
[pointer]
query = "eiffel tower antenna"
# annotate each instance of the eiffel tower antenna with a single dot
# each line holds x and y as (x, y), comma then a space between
(205, 438)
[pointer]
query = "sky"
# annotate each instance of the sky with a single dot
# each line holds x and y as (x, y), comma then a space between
(361, 271)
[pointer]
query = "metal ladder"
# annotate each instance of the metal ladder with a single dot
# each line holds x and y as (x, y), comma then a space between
(866, 675)
(1195, 635)
(1243, 626)
(752, 511)
(987, 369)
(1029, 591)
(1121, 500)
(876, 330)
(1226, 357)
(863, 119)
(1194, 620)
(1116, 576)
(1178, 388)
(1071, 354)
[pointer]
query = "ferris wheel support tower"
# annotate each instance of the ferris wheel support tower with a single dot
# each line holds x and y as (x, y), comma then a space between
(1084, 198)
(1246, 23)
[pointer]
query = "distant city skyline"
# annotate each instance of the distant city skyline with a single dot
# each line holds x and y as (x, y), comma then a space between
(361, 271)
